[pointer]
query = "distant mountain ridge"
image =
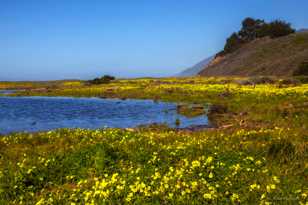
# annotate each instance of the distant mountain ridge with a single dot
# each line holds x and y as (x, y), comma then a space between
(265, 56)
(194, 70)
(302, 30)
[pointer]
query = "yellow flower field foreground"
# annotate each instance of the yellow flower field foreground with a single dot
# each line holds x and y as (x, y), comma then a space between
(153, 167)
(257, 154)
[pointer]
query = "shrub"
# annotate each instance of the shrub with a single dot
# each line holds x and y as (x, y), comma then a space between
(103, 80)
(302, 69)
(262, 80)
(302, 79)
(289, 81)
(233, 43)
(276, 29)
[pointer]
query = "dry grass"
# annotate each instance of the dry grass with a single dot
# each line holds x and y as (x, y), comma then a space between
(265, 56)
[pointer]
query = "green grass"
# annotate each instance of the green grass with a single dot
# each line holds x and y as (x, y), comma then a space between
(257, 155)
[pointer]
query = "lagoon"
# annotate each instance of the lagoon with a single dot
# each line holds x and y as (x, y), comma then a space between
(31, 114)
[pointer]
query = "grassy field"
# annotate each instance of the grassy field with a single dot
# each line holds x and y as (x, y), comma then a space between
(258, 154)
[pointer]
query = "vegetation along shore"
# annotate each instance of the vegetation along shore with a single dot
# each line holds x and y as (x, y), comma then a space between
(256, 155)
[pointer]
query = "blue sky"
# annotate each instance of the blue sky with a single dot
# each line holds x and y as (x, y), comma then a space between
(60, 39)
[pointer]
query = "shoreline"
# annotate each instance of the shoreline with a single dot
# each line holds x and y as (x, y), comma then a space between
(256, 153)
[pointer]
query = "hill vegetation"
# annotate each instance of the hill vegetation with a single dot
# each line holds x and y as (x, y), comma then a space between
(283, 56)
(253, 29)
(261, 48)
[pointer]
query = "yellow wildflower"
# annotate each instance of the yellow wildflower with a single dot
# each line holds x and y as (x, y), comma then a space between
(207, 196)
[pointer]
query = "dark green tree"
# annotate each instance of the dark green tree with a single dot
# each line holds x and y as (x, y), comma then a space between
(253, 29)
(250, 29)
(233, 43)
(279, 28)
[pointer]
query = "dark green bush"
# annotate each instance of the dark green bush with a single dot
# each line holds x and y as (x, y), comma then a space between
(103, 80)
(289, 81)
(278, 28)
(302, 69)
(234, 42)
(302, 79)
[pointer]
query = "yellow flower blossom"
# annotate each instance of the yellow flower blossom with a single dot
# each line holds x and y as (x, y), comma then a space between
(211, 175)
(207, 196)
(195, 164)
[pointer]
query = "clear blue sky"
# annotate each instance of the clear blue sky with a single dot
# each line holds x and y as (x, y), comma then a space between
(57, 39)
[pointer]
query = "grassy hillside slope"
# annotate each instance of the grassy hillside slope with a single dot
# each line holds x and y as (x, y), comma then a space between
(280, 56)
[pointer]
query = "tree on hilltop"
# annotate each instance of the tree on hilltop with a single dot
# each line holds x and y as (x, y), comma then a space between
(253, 29)
(233, 43)
(279, 28)
(250, 28)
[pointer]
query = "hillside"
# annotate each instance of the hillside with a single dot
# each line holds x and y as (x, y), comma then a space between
(194, 70)
(265, 56)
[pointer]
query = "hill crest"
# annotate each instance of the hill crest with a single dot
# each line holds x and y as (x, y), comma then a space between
(264, 56)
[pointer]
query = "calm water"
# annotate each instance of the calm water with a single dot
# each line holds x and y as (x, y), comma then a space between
(30, 114)
(6, 92)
